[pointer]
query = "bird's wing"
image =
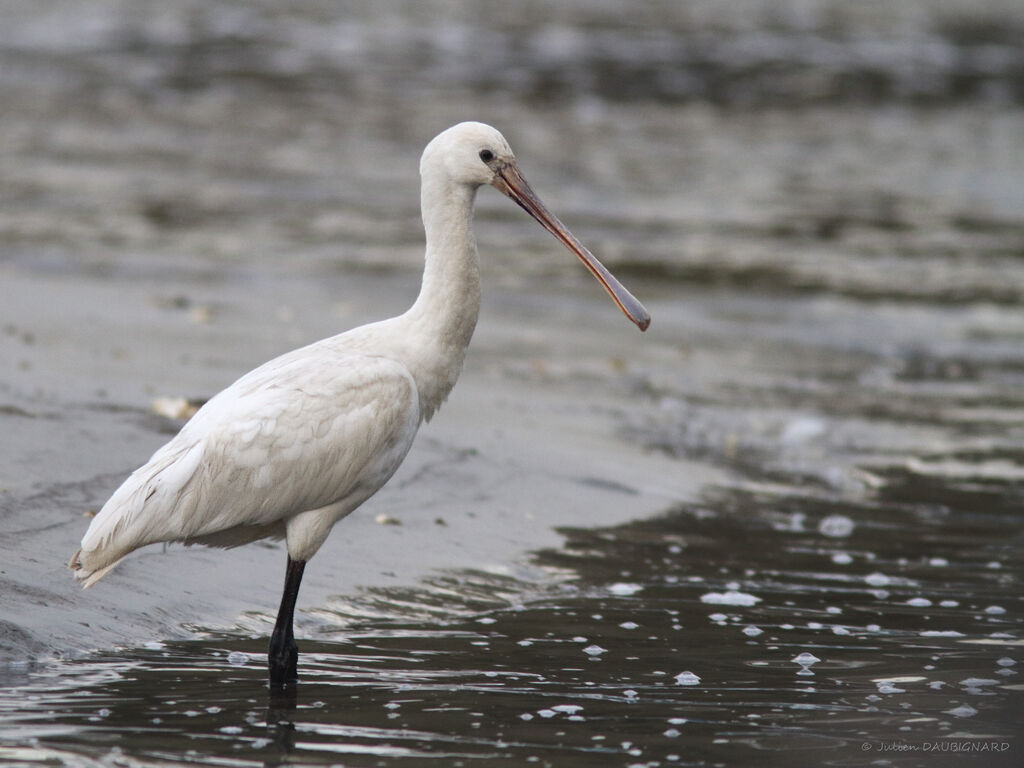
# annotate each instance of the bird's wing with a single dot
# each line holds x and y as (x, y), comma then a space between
(299, 433)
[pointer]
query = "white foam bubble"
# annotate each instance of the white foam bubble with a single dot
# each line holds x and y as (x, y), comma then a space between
(687, 678)
(732, 597)
(964, 710)
(836, 526)
(623, 588)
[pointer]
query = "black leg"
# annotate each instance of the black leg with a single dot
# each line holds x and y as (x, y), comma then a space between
(283, 658)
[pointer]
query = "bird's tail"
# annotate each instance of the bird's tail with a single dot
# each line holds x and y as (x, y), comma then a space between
(89, 576)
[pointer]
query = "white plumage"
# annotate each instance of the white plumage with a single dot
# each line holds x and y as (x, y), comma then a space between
(288, 449)
(298, 443)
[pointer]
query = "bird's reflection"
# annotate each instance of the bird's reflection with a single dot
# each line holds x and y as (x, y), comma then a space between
(281, 705)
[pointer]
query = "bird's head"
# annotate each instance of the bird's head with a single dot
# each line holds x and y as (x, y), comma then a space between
(475, 154)
(468, 153)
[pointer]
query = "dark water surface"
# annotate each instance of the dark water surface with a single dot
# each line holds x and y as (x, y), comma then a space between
(758, 627)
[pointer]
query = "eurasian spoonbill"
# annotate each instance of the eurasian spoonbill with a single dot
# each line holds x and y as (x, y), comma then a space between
(298, 443)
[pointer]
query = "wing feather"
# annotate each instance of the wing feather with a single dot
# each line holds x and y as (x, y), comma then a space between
(307, 430)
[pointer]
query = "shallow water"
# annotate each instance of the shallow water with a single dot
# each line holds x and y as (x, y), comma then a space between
(757, 626)
(820, 202)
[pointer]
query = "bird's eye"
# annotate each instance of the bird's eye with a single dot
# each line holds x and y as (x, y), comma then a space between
(486, 155)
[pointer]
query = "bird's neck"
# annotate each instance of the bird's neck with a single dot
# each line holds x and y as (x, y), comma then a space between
(444, 316)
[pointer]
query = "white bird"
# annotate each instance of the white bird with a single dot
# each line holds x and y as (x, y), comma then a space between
(298, 443)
